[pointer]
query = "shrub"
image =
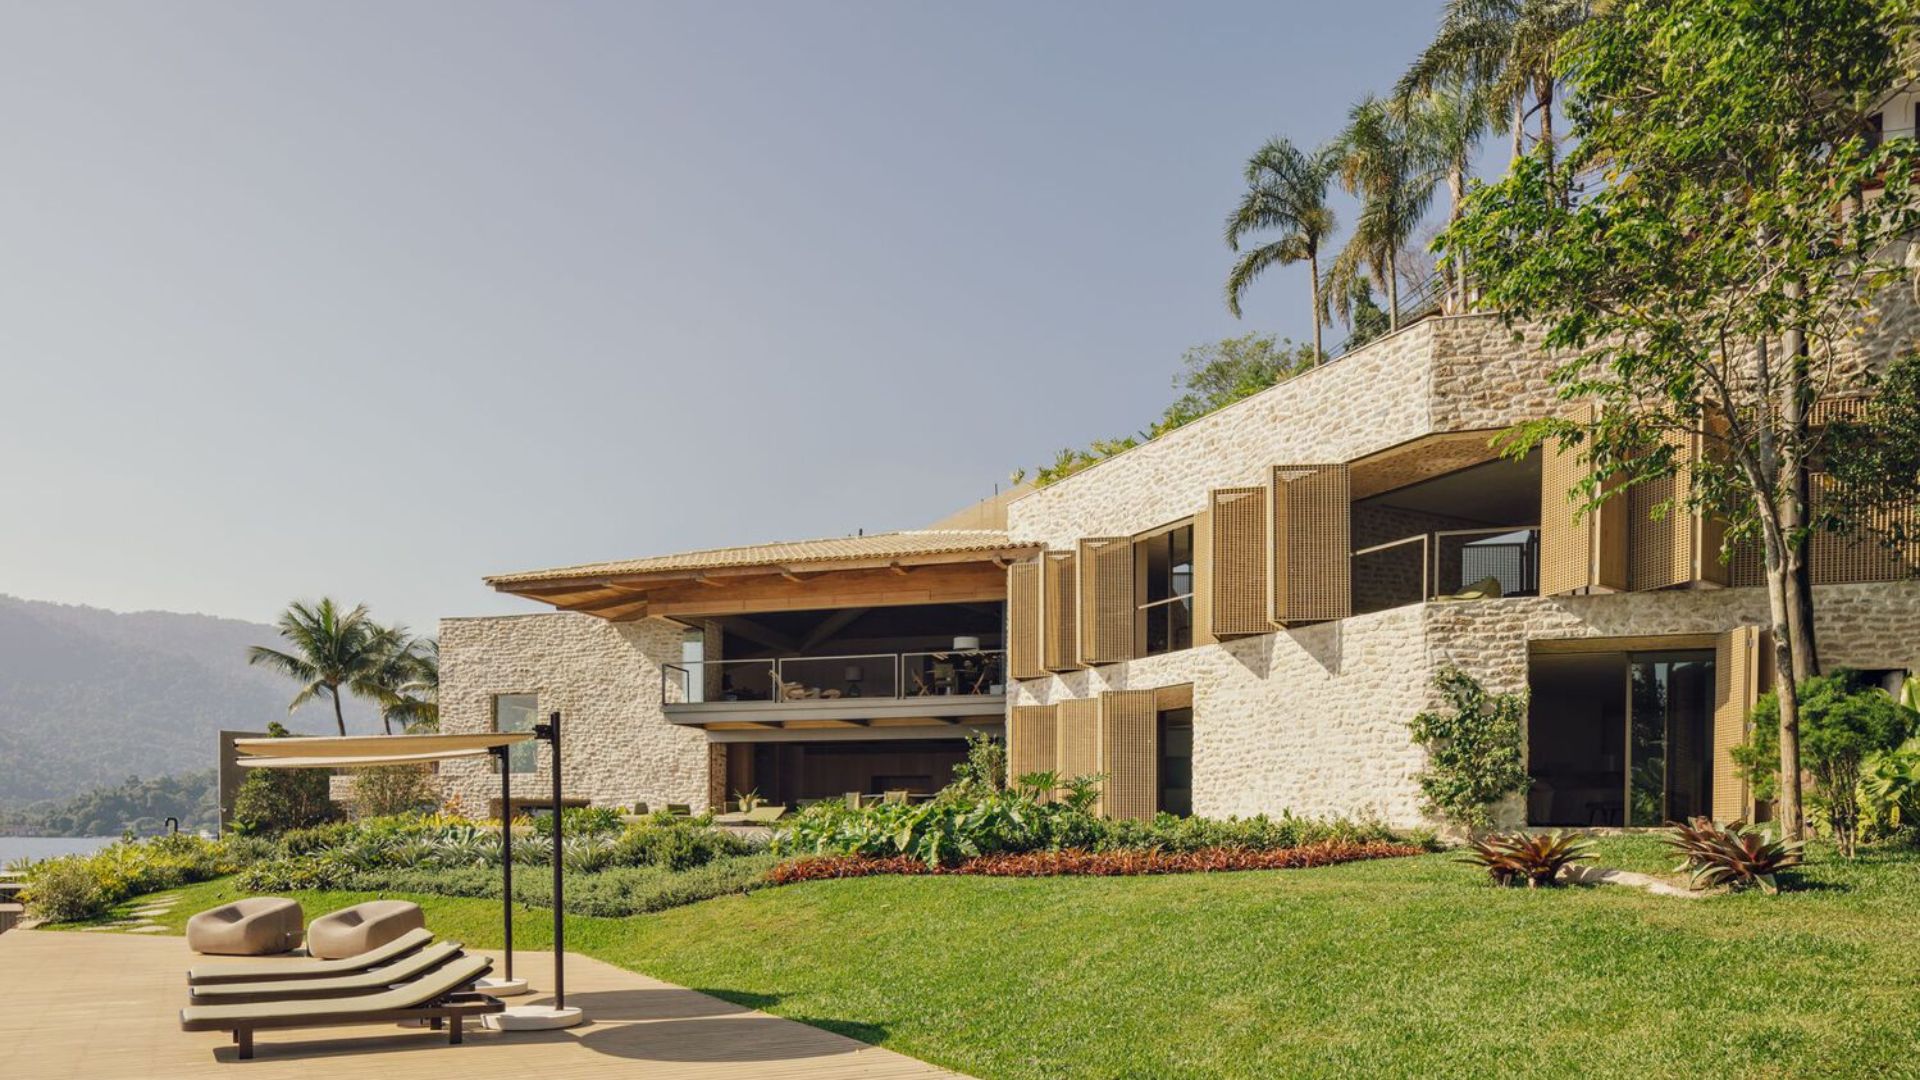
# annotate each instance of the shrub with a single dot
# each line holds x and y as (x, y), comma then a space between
(275, 800)
(581, 821)
(984, 772)
(86, 886)
(1536, 859)
(385, 790)
(1890, 789)
(1842, 723)
(950, 828)
(1080, 862)
(1475, 749)
(1738, 855)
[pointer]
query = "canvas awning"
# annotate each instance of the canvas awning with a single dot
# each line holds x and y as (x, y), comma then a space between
(353, 750)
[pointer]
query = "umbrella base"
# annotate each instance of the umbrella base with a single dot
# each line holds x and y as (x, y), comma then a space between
(501, 987)
(533, 1018)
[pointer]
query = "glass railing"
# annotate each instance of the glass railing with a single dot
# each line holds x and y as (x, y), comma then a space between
(952, 672)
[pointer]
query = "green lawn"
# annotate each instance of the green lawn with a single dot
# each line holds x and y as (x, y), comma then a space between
(1402, 967)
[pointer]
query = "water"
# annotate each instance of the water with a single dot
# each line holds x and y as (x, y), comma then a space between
(46, 847)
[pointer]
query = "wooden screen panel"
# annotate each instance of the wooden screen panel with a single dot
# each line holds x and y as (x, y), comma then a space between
(1668, 552)
(1130, 753)
(1864, 555)
(1309, 544)
(1106, 599)
(1203, 633)
(1032, 740)
(1077, 747)
(1579, 552)
(1741, 673)
(1024, 660)
(1060, 612)
(1238, 550)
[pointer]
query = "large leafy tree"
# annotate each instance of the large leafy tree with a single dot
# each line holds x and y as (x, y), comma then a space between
(1287, 197)
(1380, 160)
(1742, 230)
(328, 650)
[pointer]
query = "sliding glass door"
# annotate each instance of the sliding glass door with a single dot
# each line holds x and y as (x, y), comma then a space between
(1669, 737)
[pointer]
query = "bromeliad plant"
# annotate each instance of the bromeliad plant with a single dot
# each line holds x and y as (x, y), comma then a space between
(1737, 855)
(1536, 859)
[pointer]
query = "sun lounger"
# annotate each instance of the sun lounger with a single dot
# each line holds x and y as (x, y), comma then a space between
(359, 982)
(440, 996)
(307, 968)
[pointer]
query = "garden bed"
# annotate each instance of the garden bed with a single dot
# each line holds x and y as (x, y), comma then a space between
(1078, 862)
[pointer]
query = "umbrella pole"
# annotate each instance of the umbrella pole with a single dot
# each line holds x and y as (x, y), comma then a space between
(559, 902)
(506, 852)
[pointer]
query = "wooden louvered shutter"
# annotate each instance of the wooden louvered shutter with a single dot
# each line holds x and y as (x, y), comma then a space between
(1024, 660)
(1681, 547)
(1835, 558)
(1060, 612)
(1579, 552)
(1742, 671)
(1130, 754)
(1309, 544)
(1032, 740)
(1077, 747)
(1238, 550)
(1106, 599)
(1203, 579)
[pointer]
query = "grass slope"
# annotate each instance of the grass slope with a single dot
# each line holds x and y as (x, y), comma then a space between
(1402, 967)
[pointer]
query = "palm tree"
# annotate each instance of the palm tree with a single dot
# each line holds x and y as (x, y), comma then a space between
(1508, 49)
(1379, 159)
(404, 679)
(1286, 192)
(330, 649)
(1445, 124)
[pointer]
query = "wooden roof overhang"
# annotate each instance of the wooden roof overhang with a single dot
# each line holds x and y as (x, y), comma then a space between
(1420, 459)
(926, 578)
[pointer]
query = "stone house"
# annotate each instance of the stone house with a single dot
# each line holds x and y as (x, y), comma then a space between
(1239, 617)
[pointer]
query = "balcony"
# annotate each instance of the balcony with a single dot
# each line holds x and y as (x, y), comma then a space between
(927, 689)
(1448, 565)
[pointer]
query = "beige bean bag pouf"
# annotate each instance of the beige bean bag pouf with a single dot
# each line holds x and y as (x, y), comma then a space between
(352, 931)
(256, 926)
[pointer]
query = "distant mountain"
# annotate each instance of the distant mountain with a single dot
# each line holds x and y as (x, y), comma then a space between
(90, 697)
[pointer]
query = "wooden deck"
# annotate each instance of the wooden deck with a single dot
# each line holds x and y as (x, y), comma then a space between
(105, 1006)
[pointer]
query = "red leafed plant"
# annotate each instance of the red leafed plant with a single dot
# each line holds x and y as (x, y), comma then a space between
(1094, 864)
(1535, 858)
(1738, 855)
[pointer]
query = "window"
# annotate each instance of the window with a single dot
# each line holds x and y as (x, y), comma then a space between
(1163, 588)
(1176, 762)
(517, 712)
(693, 655)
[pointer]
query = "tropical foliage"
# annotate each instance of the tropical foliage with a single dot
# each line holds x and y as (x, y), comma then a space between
(273, 801)
(83, 886)
(1534, 859)
(1737, 855)
(1287, 197)
(1844, 726)
(1476, 750)
(1119, 862)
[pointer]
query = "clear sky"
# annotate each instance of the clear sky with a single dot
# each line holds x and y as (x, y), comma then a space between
(371, 299)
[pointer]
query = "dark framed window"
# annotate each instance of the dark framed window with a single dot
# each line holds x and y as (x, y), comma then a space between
(1176, 762)
(518, 712)
(1163, 565)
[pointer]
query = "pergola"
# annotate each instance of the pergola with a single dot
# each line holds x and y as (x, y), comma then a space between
(359, 751)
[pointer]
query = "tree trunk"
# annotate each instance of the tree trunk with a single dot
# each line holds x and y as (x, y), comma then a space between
(1313, 265)
(1765, 475)
(1456, 191)
(1793, 825)
(1393, 292)
(1519, 128)
(1543, 91)
(339, 720)
(1794, 511)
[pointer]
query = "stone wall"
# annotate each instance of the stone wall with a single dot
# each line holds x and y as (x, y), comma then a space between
(1310, 720)
(603, 677)
(1313, 720)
